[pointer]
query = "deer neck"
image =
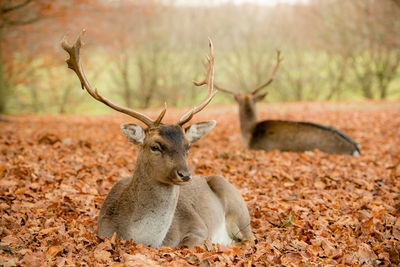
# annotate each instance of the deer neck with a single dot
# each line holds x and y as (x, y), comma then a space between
(154, 205)
(248, 118)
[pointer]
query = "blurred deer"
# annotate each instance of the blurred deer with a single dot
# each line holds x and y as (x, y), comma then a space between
(163, 204)
(285, 135)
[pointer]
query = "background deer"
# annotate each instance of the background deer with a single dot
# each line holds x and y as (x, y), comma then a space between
(285, 135)
(163, 204)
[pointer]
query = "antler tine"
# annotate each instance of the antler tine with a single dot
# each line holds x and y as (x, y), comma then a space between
(215, 85)
(223, 89)
(161, 115)
(209, 80)
(74, 63)
(271, 79)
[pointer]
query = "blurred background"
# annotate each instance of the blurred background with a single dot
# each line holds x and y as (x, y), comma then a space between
(140, 53)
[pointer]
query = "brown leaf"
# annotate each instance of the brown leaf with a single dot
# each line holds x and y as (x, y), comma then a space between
(319, 185)
(53, 251)
(365, 254)
(33, 259)
(138, 260)
(9, 240)
(102, 255)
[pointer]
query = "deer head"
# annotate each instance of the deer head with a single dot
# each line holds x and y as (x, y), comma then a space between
(163, 147)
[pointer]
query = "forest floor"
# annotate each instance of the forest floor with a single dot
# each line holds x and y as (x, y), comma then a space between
(306, 208)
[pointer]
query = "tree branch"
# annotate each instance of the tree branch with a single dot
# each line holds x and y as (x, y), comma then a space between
(17, 6)
(21, 22)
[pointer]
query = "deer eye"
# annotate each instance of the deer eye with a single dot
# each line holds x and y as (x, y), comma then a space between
(155, 148)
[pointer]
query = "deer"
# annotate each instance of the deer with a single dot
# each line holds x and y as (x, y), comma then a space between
(283, 135)
(162, 203)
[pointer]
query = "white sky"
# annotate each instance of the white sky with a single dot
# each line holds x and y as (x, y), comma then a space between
(260, 2)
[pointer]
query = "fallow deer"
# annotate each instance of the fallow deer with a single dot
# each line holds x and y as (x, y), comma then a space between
(163, 204)
(297, 136)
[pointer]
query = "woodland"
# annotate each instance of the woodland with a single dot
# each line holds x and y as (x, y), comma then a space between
(61, 151)
(143, 53)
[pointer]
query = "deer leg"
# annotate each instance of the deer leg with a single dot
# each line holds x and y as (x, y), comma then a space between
(196, 231)
(193, 239)
(237, 216)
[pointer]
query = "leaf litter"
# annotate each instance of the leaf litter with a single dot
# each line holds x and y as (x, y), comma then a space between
(306, 208)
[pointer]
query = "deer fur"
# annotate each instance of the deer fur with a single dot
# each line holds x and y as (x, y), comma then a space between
(157, 207)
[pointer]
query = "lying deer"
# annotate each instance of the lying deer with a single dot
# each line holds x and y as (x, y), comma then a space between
(285, 135)
(163, 204)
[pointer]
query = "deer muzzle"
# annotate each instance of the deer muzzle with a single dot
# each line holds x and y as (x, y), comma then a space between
(180, 176)
(184, 176)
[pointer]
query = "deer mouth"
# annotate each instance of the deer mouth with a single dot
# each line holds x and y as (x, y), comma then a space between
(180, 177)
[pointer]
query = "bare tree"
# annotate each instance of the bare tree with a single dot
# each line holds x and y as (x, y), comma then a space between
(337, 69)
(122, 77)
(11, 16)
(365, 32)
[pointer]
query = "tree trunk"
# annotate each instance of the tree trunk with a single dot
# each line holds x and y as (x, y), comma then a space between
(3, 82)
(64, 100)
(127, 91)
(383, 83)
(367, 90)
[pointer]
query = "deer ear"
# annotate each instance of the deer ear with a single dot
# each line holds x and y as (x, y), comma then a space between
(260, 97)
(196, 131)
(134, 132)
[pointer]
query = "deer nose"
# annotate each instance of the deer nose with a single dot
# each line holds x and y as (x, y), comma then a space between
(184, 176)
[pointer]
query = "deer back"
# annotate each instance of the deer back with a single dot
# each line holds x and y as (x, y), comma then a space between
(299, 137)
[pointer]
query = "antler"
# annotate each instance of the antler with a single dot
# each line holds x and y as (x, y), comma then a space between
(209, 80)
(74, 63)
(257, 89)
(271, 79)
(223, 89)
